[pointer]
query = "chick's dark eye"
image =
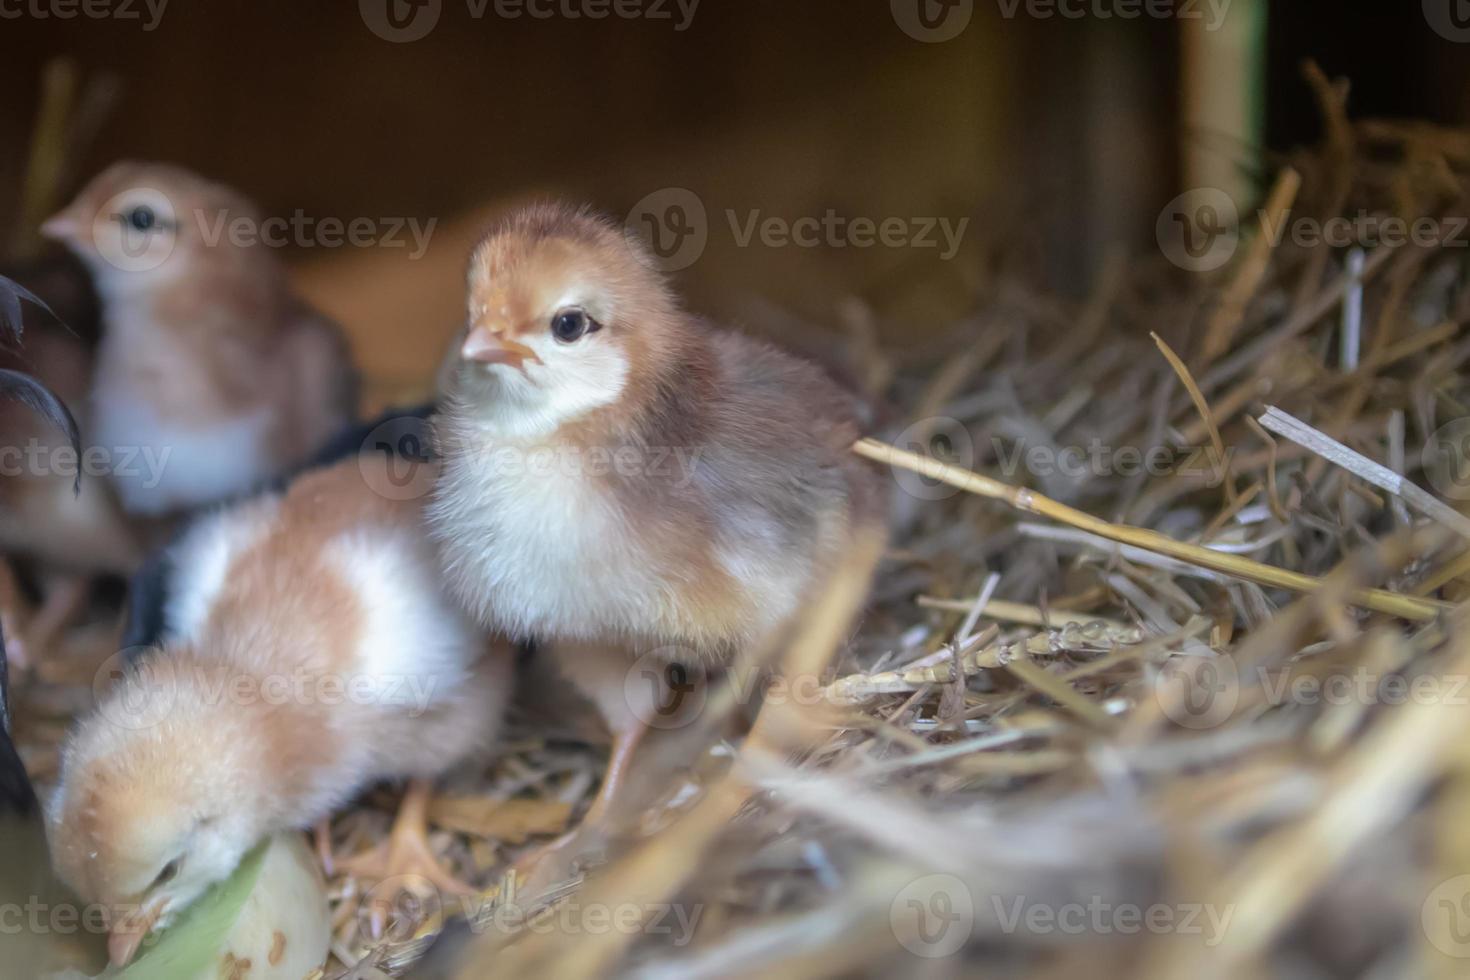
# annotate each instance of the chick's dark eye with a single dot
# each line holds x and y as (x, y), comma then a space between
(142, 218)
(571, 325)
(169, 873)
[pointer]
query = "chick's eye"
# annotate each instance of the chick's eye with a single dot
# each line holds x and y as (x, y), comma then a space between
(142, 217)
(570, 325)
(169, 873)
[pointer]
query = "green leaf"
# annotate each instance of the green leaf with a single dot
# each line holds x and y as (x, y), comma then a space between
(191, 945)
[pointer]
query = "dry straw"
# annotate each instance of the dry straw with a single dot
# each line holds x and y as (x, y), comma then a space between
(1100, 723)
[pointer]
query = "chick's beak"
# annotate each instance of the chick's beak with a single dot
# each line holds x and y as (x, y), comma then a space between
(484, 346)
(61, 227)
(129, 932)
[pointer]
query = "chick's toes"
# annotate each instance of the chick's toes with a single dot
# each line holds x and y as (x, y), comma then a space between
(407, 856)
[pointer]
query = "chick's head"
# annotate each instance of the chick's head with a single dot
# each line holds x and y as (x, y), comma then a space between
(162, 793)
(565, 315)
(142, 226)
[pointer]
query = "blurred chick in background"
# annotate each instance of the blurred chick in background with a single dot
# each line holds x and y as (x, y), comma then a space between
(232, 731)
(70, 529)
(620, 477)
(212, 373)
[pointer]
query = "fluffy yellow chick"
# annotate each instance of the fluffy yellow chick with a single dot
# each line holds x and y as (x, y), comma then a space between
(213, 376)
(310, 651)
(622, 479)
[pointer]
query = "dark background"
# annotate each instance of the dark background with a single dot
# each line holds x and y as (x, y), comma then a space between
(1058, 137)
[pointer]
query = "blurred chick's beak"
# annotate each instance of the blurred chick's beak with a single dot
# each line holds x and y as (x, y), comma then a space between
(60, 227)
(486, 347)
(129, 932)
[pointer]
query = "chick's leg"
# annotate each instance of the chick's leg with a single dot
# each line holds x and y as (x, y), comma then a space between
(65, 597)
(553, 862)
(624, 745)
(407, 852)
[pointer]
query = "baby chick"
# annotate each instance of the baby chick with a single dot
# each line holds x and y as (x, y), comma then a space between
(310, 652)
(207, 355)
(620, 478)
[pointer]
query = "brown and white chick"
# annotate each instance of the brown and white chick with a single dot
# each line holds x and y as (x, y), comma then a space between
(311, 651)
(207, 355)
(621, 478)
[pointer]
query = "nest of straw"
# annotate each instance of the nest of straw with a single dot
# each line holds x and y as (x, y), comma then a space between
(1202, 714)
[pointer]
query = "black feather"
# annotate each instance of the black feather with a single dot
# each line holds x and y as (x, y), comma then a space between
(404, 432)
(11, 293)
(21, 387)
(143, 621)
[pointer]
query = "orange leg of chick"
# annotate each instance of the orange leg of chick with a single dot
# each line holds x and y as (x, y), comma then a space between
(534, 867)
(321, 836)
(407, 851)
(65, 597)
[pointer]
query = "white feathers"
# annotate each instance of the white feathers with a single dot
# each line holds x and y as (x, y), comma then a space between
(201, 561)
(159, 461)
(416, 645)
(549, 530)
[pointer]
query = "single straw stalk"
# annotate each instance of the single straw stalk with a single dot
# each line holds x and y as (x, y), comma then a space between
(1378, 600)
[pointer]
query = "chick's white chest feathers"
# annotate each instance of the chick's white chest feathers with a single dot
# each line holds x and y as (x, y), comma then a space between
(159, 464)
(536, 548)
(161, 457)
